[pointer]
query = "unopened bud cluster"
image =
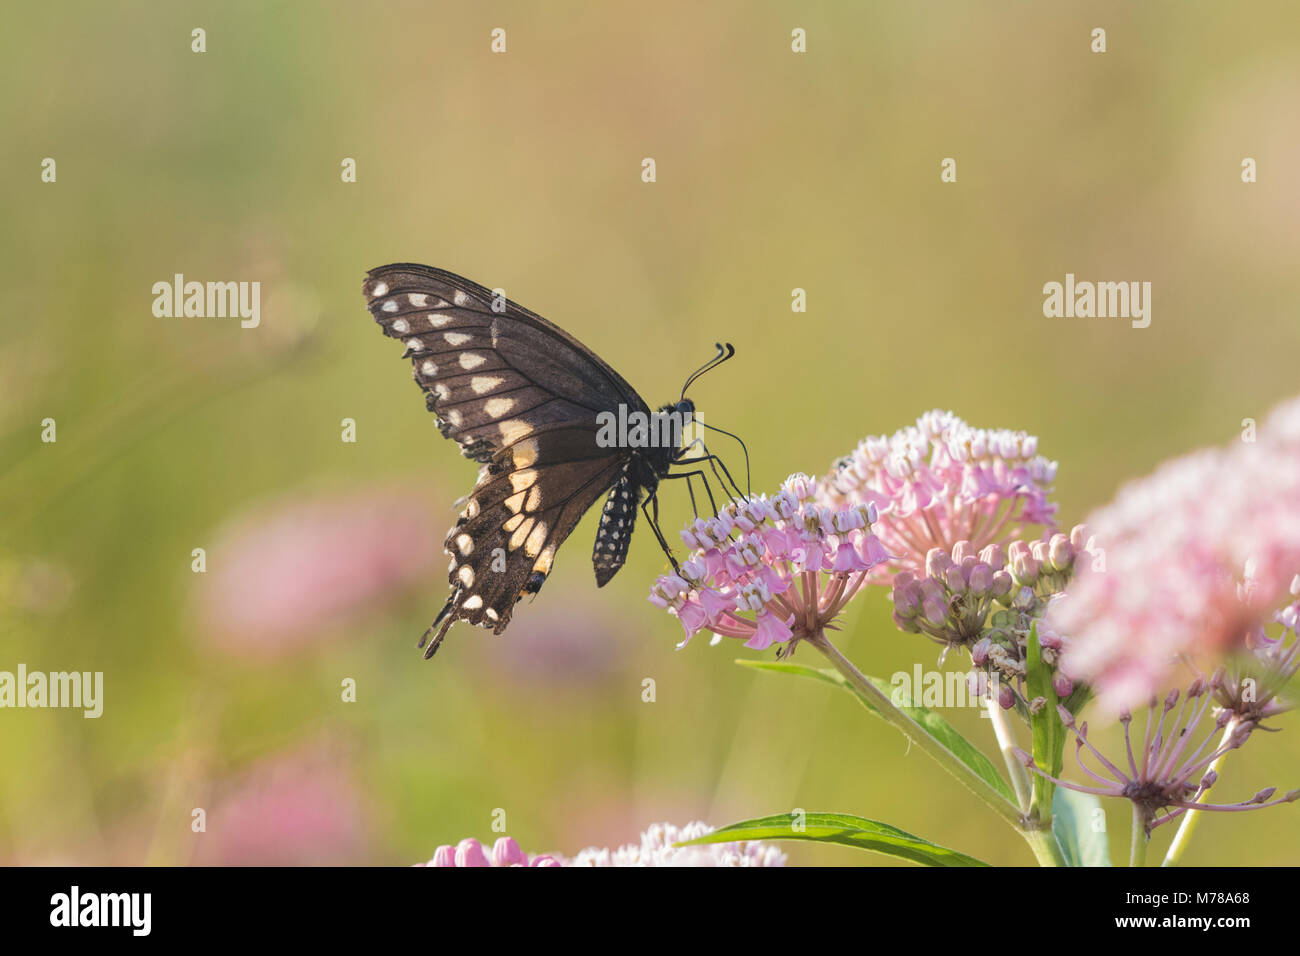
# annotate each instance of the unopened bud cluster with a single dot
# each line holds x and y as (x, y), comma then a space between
(988, 601)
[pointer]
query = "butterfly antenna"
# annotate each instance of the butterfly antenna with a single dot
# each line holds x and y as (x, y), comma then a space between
(722, 356)
(748, 488)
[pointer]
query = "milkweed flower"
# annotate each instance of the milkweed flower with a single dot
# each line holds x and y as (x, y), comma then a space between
(771, 570)
(988, 602)
(1168, 772)
(505, 852)
(1197, 555)
(942, 481)
(655, 848)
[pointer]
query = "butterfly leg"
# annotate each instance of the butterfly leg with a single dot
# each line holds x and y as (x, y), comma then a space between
(728, 483)
(688, 475)
(653, 520)
(442, 631)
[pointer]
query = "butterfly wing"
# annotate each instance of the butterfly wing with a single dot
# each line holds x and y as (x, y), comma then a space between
(519, 395)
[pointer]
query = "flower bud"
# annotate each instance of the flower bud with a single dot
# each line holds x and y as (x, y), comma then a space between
(1060, 555)
(1002, 584)
(937, 561)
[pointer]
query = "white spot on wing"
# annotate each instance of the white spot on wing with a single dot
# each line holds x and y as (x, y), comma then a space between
(456, 338)
(485, 383)
(473, 603)
(381, 288)
(524, 453)
(496, 407)
(536, 538)
(471, 360)
(418, 299)
(521, 533)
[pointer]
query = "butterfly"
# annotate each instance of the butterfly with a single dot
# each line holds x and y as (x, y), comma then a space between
(534, 407)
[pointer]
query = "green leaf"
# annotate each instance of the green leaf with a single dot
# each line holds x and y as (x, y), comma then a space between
(844, 829)
(931, 723)
(1048, 731)
(1074, 816)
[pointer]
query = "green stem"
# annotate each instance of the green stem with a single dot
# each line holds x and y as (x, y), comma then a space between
(1187, 826)
(1037, 834)
(1137, 851)
(1046, 850)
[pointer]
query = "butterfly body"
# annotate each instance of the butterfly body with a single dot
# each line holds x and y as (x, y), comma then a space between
(526, 400)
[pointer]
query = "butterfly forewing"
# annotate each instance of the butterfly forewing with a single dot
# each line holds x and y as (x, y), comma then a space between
(521, 396)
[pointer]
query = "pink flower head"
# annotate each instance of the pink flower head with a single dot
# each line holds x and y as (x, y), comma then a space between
(469, 852)
(656, 848)
(942, 481)
(951, 601)
(1165, 771)
(771, 570)
(1171, 586)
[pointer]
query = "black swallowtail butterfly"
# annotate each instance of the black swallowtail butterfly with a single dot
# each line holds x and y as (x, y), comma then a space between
(524, 398)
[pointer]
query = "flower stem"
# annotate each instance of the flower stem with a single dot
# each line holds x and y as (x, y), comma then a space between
(1137, 851)
(1188, 824)
(1007, 744)
(1037, 835)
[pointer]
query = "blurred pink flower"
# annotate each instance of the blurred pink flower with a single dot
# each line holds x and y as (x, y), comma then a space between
(294, 809)
(942, 481)
(787, 561)
(654, 849)
(1196, 557)
(280, 576)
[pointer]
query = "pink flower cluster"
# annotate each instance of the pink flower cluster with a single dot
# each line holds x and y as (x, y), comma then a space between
(942, 481)
(769, 570)
(654, 849)
(505, 852)
(1176, 544)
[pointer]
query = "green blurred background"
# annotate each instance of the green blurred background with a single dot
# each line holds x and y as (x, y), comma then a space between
(522, 170)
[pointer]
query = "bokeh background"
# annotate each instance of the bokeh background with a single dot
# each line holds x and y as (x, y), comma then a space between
(522, 170)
